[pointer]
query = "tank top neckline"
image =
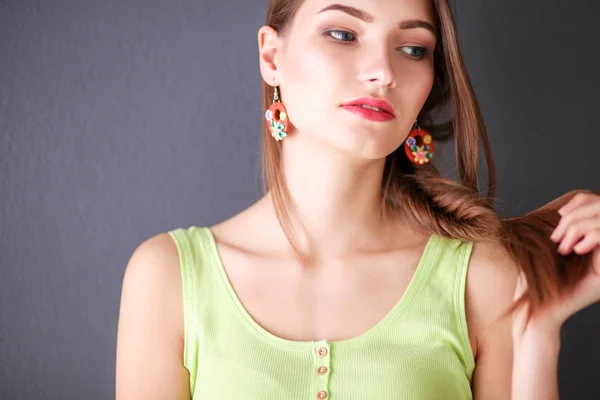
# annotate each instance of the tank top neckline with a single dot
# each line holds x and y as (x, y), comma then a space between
(419, 277)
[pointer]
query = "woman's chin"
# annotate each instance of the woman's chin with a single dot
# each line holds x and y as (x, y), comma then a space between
(365, 147)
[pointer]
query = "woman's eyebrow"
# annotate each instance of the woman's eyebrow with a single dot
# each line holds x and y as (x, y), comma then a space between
(366, 17)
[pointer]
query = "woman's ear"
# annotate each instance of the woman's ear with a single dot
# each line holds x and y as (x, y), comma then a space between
(268, 46)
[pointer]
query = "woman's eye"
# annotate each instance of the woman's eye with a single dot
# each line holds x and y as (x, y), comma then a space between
(348, 37)
(421, 51)
(341, 36)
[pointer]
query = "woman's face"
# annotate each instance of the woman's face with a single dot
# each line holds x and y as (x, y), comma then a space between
(330, 57)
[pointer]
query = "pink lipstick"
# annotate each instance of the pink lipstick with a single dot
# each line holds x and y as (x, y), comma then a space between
(371, 108)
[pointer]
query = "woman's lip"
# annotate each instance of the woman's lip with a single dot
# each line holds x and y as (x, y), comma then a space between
(373, 102)
(366, 113)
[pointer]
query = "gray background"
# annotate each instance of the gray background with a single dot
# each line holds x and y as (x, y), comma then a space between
(120, 119)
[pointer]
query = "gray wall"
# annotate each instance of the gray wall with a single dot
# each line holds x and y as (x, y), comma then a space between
(120, 119)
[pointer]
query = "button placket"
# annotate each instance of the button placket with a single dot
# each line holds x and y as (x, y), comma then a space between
(322, 369)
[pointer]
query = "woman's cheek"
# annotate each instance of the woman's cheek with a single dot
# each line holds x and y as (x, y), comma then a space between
(419, 85)
(311, 82)
(316, 64)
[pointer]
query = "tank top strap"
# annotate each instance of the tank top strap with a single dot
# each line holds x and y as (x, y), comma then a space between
(461, 259)
(198, 290)
(437, 312)
(452, 269)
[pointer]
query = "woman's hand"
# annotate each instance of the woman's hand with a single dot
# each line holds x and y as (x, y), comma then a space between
(578, 231)
(536, 346)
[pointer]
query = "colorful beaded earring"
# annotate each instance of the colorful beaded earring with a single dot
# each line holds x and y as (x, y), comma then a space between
(419, 145)
(277, 118)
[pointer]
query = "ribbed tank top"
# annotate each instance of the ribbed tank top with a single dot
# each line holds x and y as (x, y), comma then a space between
(419, 351)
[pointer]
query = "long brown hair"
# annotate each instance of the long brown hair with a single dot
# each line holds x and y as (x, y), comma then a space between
(439, 205)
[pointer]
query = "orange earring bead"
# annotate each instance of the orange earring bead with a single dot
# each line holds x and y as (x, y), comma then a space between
(419, 146)
(277, 118)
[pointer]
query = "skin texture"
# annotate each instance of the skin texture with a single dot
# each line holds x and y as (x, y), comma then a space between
(333, 162)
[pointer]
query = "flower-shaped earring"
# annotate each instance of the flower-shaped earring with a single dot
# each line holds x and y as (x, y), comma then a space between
(277, 118)
(419, 145)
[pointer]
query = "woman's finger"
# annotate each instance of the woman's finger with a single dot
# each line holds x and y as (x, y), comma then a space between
(577, 200)
(588, 243)
(575, 232)
(589, 210)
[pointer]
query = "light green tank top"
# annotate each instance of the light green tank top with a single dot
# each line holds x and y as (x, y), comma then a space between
(419, 351)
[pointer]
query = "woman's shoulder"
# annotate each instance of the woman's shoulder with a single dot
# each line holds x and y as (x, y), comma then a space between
(150, 323)
(491, 282)
(491, 277)
(153, 270)
(156, 251)
(154, 257)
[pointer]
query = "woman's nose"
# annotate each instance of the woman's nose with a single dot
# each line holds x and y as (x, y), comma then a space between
(377, 68)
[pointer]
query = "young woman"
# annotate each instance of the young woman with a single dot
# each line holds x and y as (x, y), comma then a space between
(362, 273)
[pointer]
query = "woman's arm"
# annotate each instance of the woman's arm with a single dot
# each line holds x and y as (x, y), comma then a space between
(510, 365)
(537, 344)
(149, 362)
(491, 282)
(535, 370)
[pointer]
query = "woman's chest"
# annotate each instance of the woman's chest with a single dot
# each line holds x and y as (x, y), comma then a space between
(338, 301)
(243, 367)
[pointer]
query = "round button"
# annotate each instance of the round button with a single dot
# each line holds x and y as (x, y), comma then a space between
(322, 370)
(322, 352)
(322, 395)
